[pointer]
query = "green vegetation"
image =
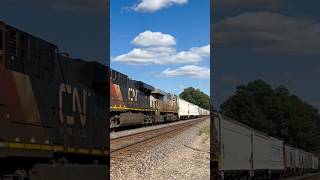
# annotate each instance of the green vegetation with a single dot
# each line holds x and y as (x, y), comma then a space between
(205, 132)
(196, 97)
(276, 112)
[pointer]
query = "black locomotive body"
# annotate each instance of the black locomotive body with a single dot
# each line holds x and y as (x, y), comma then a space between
(130, 101)
(52, 107)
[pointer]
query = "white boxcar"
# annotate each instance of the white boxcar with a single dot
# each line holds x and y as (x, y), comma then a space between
(303, 159)
(261, 151)
(203, 112)
(289, 156)
(309, 160)
(235, 144)
(315, 162)
(297, 158)
(183, 111)
(277, 156)
(193, 110)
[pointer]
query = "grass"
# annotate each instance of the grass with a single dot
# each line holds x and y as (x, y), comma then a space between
(205, 133)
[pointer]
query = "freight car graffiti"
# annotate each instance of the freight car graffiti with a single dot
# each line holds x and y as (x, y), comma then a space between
(68, 90)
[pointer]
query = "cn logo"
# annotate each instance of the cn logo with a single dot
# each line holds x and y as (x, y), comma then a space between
(132, 94)
(67, 90)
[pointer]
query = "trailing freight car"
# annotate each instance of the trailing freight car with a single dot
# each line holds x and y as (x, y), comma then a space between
(52, 107)
(244, 152)
(203, 112)
(188, 110)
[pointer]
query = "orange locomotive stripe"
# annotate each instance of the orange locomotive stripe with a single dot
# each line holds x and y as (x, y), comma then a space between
(26, 97)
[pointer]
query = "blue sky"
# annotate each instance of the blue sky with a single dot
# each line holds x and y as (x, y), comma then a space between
(77, 27)
(170, 38)
(274, 40)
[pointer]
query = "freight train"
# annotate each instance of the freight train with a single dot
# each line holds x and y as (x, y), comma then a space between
(52, 107)
(137, 103)
(246, 153)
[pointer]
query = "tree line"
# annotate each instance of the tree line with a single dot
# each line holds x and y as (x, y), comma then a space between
(196, 96)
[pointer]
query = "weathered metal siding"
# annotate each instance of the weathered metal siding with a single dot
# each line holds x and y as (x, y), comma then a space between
(315, 162)
(183, 107)
(296, 158)
(170, 103)
(235, 145)
(277, 156)
(289, 156)
(193, 110)
(261, 151)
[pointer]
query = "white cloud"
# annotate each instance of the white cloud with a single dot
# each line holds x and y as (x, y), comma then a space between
(157, 48)
(149, 38)
(189, 70)
(270, 32)
(156, 5)
(194, 54)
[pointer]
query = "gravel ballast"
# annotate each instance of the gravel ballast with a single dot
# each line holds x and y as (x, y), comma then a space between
(186, 156)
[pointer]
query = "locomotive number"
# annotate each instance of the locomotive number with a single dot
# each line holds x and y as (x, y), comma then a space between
(132, 94)
(65, 91)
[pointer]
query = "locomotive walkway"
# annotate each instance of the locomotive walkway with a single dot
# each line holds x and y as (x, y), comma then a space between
(128, 145)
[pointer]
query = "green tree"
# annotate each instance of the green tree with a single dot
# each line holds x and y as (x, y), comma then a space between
(196, 97)
(275, 112)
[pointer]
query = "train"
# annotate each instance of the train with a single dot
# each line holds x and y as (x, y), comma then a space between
(135, 102)
(52, 107)
(244, 152)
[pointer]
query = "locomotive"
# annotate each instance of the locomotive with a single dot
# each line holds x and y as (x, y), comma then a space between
(137, 103)
(52, 107)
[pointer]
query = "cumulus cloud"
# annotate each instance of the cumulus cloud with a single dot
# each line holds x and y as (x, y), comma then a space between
(157, 48)
(156, 5)
(149, 38)
(270, 32)
(189, 70)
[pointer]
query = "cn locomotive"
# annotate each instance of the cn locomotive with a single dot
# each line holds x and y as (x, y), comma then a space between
(52, 107)
(137, 103)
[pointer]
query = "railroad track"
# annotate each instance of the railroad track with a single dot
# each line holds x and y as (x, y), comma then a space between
(125, 146)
